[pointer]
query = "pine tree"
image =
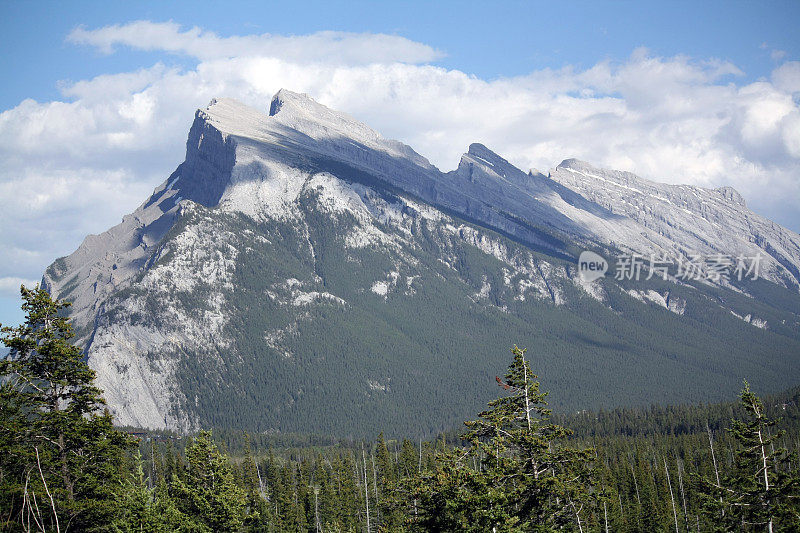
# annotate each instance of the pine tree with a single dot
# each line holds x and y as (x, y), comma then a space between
(759, 494)
(60, 447)
(149, 510)
(209, 492)
(526, 478)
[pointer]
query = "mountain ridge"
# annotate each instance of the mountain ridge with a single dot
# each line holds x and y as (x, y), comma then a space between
(296, 114)
(252, 262)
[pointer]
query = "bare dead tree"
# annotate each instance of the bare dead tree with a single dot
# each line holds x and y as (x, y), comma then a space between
(671, 497)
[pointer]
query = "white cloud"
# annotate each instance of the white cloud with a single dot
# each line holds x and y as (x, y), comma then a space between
(777, 55)
(76, 166)
(46, 213)
(9, 286)
(326, 46)
(787, 77)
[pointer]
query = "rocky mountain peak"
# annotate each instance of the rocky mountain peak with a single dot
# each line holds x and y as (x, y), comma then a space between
(288, 98)
(573, 163)
(732, 195)
(479, 153)
(283, 229)
(302, 113)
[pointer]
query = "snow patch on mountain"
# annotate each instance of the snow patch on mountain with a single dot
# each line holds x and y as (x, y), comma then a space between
(381, 288)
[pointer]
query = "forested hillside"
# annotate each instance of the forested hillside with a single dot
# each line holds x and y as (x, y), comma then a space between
(303, 343)
(630, 450)
(514, 467)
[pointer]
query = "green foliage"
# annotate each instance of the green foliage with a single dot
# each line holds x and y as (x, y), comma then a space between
(61, 457)
(520, 469)
(292, 482)
(762, 491)
(300, 482)
(147, 510)
(516, 474)
(208, 491)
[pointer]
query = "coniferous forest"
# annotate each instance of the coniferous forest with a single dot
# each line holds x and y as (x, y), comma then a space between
(515, 466)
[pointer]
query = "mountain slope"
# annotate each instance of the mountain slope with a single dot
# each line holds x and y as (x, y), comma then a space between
(696, 220)
(299, 272)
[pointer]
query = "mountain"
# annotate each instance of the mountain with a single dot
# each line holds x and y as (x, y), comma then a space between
(299, 272)
(693, 219)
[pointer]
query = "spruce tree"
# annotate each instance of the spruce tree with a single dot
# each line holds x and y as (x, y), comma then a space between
(60, 447)
(209, 492)
(149, 510)
(526, 478)
(390, 516)
(762, 493)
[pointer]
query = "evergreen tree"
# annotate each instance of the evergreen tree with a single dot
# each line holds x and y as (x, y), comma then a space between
(60, 448)
(209, 492)
(762, 493)
(390, 517)
(149, 510)
(526, 477)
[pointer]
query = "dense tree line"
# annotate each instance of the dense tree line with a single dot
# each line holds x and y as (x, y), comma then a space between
(64, 467)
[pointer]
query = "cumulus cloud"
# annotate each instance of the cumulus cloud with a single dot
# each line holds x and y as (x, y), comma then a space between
(787, 77)
(75, 166)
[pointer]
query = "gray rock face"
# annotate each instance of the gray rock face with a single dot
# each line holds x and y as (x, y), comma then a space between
(179, 246)
(683, 220)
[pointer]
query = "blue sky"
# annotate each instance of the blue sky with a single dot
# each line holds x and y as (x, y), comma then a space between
(511, 39)
(645, 63)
